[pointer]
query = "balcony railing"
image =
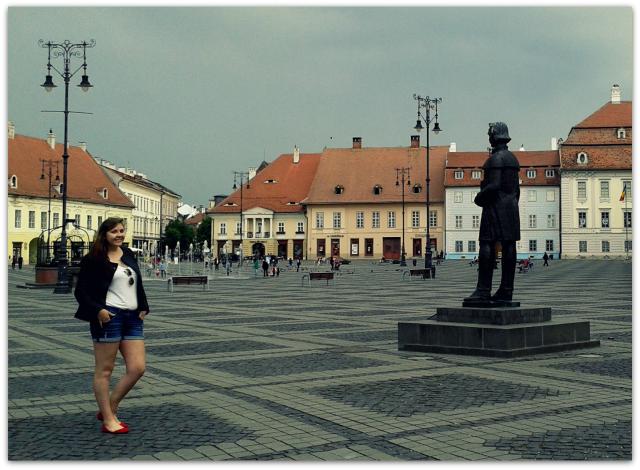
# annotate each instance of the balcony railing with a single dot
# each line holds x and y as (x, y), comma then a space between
(249, 234)
(280, 232)
(267, 234)
(298, 232)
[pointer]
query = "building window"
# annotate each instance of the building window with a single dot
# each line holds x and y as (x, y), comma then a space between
(551, 221)
(628, 244)
(582, 158)
(43, 220)
(281, 227)
(433, 218)
(627, 219)
(32, 219)
(237, 228)
(14, 181)
(582, 220)
(533, 223)
(377, 189)
(471, 246)
(415, 219)
(604, 190)
(359, 219)
(582, 246)
(604, 219)
(459, 222)
(457, 196)
(549, 173)
(476, 174)
(532, 195)
(533, 246)
(339, 189)
(458, 174)
(77, 219)
(549, 245)
(391, 219)
(319, 219)
(582, 189)
(622, 134)
(417, 188)
(89, 221)
(300, 228)
(551, 195)
(18, 218)
(56, 219)
(475, 221)
(605, 246)
(626, 188)
(458, 246)
(531, 174)
(99, 221)
(337, 220)
(105, 194)
(375, 219)
(223, 228)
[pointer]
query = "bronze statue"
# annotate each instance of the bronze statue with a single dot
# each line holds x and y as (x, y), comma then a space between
(499, 195)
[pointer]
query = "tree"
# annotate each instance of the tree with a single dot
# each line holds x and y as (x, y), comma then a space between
(204, 231)
(175, 231)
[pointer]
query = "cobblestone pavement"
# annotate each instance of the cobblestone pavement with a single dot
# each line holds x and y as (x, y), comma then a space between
(272, 369)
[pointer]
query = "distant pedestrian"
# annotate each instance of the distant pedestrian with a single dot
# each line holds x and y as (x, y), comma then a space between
(216, 263)
(20, 262)
(332, 262)
(290, 263)
(256, 266)
(277, 271)
(265, 268)
(545, 257)
(14, 261)
(206, 263)
(298, 263)
(163, 269)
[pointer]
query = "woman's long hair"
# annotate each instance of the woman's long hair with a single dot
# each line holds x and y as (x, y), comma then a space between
(100, 244)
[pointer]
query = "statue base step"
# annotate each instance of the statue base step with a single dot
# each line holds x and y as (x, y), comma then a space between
(494, 332)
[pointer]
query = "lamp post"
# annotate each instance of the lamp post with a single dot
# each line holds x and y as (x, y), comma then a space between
(66, 50)
(49, 164)
(241, 175)
(427, 104)
(401, 175)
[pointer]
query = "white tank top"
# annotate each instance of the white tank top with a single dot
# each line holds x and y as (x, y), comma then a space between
(121, 293)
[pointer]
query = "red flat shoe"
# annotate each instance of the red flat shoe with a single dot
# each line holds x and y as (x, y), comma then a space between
(99, 417)
(122, 430)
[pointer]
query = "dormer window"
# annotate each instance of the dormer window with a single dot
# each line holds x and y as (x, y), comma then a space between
(270, 181)
(458, 174)
(292, 203)
(550, 173)
(104, 192)
(339, 189)
(13, 182)
(476, 174)
(377, 189)
(531, 174)
(230, 204)
(622, 133)
(582, 158)
(417, 188)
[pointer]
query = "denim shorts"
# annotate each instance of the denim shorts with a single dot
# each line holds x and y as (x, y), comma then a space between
(124, 324)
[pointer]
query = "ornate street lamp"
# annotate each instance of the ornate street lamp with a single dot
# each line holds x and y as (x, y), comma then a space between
(401, 175)
(428, 104)
(240, 175)
(66, 50)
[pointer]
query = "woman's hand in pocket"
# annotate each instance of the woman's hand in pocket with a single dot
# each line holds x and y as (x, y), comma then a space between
(104, 316)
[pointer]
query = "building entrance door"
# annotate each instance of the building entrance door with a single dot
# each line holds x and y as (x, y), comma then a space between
(335, 247)
(417, 247)
(320, 247)
(391, 247)
(282, 248)
(368, 246)
(298, 249)
(258, 250)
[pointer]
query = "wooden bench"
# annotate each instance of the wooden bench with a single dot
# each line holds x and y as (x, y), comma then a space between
(424, 273)
(316, 276)
(176, 280)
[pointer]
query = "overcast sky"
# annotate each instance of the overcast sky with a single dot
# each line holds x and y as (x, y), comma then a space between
(187, 95)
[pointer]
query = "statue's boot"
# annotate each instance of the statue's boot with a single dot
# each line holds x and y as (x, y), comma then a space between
(505, 291)
(483, 289)
(502, 295)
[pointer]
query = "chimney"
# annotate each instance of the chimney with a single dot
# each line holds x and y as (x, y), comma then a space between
(554, 143)
(12, 130)
(51, 139)
(83, 146)
(252, 172)
(452, 147)
(357, 142)
(415, 141)
(615, 94)
(296, 154)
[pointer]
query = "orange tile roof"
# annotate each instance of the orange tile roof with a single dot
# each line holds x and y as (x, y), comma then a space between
(359, 170)
(599, 157)
(85, 177)
(598, 136)
(196, 219)
(534, 159)
(610, 115)
(293, 181)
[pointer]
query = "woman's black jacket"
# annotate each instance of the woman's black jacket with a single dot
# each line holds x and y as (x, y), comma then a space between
(93, 284)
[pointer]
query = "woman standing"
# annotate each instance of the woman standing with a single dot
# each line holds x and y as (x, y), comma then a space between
(111, 297)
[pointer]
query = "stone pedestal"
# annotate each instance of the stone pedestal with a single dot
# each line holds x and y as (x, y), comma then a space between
(499, 332)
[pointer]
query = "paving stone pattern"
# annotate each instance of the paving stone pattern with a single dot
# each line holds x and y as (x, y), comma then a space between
(272, 369)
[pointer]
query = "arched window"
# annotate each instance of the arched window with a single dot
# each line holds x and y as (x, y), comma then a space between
(622, 133)
(105, 193)
(13, 182)
(417, 188)
(377, 189)
(339, 189)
